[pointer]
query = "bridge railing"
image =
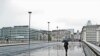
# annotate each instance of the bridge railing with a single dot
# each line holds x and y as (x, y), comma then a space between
(90, 49)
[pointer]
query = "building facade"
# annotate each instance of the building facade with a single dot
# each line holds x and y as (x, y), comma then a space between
(6, 32)
(91, 33)
(60, 34)
(44, 35)
(77, 35)
(19, 32)
(0, 33)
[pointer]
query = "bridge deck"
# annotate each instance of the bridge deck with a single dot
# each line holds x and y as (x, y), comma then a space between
(75, 49)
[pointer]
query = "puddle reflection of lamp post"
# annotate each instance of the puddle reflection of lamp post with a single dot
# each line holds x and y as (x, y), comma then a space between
(57, 33)
(29, 29)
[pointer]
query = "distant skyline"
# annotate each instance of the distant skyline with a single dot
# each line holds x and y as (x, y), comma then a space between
(70, 14)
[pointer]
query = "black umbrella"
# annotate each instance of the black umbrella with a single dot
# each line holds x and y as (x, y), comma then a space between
(66, 40)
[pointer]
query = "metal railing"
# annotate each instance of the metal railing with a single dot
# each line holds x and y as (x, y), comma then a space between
(90, 49)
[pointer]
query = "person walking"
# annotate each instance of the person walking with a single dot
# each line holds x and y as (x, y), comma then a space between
(66, 46)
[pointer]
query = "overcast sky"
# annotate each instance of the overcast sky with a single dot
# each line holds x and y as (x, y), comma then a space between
(65, 14)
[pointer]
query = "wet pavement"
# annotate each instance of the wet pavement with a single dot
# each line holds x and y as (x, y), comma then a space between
(74, 49)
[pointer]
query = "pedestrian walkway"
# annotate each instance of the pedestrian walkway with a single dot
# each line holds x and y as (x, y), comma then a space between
(21, 43)
(74, 49)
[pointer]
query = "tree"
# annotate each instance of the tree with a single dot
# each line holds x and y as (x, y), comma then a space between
(7, 39)
(49, 37)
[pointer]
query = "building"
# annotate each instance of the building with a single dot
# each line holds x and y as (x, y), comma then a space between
(34, 34)
(77, 35)
(44, 35)
(72, 33)
(91, 33)
(19, 32)
(71, 30)
(89, 22)
(0, 34)
(6, 32)
(60, 34)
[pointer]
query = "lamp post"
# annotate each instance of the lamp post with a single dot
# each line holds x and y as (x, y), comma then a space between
(48, 32)
(48, 39)
(29, 29)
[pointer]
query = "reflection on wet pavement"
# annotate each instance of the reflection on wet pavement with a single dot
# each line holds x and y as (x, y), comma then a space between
(74, 49)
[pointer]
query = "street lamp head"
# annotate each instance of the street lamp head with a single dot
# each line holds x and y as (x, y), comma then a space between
(29, 12)
(48, 22)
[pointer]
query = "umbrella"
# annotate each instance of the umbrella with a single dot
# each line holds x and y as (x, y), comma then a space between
(66, 40)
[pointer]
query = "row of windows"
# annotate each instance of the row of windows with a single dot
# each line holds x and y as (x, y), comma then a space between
(91, 38)
(90, 31)
(91, 28)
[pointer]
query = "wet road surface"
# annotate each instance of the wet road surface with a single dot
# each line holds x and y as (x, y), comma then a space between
(74, 49)
(19, 49)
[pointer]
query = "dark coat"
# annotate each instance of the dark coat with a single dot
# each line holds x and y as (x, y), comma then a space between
(66, 44)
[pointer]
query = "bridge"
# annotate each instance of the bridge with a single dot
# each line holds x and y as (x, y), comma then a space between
(43, 48)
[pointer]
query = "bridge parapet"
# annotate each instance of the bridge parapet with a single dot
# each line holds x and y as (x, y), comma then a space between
(90, 49)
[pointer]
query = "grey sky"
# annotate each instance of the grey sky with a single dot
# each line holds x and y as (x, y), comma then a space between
(65, 14)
